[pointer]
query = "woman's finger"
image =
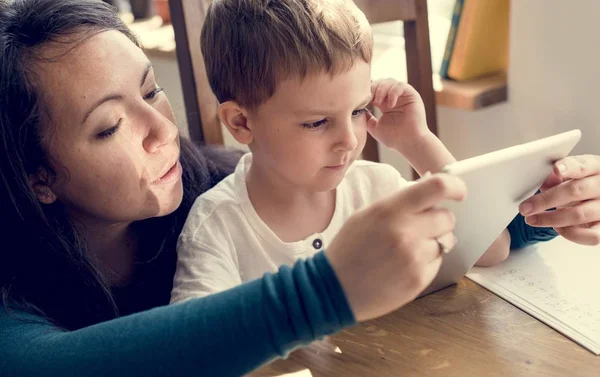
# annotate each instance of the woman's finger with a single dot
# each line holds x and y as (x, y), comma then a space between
(576, 167)
(426, 193)
(552, 181)
(583, 213)
(446, 241)
(433, 223)
(588, 234)
(574, 190)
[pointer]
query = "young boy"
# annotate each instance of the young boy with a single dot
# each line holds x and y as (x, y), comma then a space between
(293, 80)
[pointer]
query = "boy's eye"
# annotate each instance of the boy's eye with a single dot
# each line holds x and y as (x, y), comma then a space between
(153, 93)
(316, 124)
(359, 112)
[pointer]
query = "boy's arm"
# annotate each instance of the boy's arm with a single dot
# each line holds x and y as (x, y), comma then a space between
(517, 235)
(497, 252)
(426, 153)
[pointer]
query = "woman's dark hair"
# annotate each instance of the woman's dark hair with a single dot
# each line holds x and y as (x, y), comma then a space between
(44, 267)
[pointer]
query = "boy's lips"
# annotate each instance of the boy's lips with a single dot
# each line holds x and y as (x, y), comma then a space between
(337, 166)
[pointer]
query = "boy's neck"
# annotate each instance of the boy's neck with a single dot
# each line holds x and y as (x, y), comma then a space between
(291, 213)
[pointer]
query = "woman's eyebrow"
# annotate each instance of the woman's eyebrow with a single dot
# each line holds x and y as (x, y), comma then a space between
(146, 72)
(115, 97)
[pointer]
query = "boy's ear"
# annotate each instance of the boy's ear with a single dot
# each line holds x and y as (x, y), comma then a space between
(235, 118)
(41, 188)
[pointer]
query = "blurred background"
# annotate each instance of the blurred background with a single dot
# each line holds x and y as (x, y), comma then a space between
(551, 72)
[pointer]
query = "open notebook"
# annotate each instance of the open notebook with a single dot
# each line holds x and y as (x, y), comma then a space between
(557, 282)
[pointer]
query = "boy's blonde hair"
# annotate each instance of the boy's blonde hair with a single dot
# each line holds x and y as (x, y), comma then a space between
(249, 46)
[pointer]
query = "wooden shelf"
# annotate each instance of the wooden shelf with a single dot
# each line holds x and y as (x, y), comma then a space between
(471, 95)
(158, 40)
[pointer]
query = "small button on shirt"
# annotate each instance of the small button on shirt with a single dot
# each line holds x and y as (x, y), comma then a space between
(224, 242)
(317, 244)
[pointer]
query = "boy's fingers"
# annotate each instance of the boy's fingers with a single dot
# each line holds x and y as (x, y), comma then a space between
(374, 87)
(382, 92)
(392, 100)
(371, 120)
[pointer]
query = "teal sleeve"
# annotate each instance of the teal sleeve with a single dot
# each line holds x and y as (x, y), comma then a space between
(226, 334)
(522, 235)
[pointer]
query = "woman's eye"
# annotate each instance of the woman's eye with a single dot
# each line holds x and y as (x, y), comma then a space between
(359, 112)
(153, 93)
(314, 125)
(111, 131)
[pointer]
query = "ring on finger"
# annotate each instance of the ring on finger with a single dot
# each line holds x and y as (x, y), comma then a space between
(443, 248)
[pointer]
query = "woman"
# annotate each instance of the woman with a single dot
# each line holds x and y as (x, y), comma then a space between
(94, 187)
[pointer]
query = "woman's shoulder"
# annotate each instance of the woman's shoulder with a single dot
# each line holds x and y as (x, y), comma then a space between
(16, 323)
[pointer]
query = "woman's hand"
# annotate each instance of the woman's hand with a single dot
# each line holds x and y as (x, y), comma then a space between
(387, 254)
(573, 189)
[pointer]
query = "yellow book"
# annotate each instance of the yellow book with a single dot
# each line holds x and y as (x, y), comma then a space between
(481, 45)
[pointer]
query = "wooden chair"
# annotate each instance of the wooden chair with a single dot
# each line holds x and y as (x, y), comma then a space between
(413, 13)
(187, 17)
(201, 105)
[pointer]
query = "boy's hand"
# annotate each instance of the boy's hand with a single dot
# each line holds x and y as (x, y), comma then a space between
(403, 126)
(403, 117)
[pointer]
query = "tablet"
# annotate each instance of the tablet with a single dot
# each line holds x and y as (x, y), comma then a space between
(497, 183)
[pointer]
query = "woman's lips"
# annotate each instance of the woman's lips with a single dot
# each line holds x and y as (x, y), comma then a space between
(170, 176)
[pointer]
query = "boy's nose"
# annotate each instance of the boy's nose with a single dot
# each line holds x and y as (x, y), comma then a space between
(347, 138)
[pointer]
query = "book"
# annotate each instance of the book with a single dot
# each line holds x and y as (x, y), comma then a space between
(556, 282)
(458, 5)
(481, 43)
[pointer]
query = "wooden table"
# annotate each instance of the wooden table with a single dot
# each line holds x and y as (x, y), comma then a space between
(460, 331)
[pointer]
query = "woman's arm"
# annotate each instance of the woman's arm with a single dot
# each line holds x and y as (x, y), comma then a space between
(227, 334)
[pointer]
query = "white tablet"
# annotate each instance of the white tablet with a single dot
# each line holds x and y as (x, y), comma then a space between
(497, 183)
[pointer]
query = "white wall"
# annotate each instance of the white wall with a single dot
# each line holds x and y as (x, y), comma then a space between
(553, 81)
(554, 78)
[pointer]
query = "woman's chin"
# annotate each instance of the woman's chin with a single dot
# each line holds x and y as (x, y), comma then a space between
(166, 203)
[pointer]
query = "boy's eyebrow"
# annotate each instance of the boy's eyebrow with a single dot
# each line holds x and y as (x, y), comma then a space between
(308, 112)
(366, 101)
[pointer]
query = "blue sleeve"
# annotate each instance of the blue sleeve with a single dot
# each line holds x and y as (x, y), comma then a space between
(522, 235)
(227, 334)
